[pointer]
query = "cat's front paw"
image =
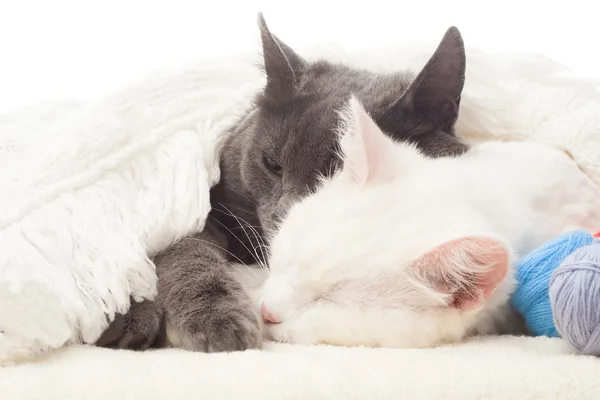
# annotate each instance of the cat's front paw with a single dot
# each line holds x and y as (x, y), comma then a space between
(230, 331)
(136, 330)
(214, 323)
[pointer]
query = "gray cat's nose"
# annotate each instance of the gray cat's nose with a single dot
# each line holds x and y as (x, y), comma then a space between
(267, 317)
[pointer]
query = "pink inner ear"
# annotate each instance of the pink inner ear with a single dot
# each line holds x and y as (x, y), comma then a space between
(468, 269)
(364, 146)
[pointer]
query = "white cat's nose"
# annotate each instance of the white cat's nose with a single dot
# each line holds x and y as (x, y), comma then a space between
(267, 317)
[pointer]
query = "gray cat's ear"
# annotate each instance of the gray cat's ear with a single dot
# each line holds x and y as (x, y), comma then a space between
(436, 91)
(282, 65)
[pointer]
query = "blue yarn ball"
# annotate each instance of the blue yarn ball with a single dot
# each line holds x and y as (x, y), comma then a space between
(575, 299)
(533, 275)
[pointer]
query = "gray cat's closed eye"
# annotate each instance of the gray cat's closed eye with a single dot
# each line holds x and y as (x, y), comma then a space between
(272, 165)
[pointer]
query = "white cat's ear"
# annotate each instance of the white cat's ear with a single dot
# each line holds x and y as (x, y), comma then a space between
(366, 150)
(463, 273)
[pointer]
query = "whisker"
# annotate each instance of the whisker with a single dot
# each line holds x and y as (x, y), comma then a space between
(257, 279)
(262, 245)
(256, 236)
(253, 226)
(255, 256)
(237, 207)
(253, 229)
(230, 253)
(240, 194)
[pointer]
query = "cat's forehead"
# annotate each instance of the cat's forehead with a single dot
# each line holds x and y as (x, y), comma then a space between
(301, 136)
(324, 89)
(302, 132)
(404, 217)
(337, 82)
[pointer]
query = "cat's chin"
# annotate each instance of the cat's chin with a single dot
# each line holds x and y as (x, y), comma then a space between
(287, 334)
(284, 333)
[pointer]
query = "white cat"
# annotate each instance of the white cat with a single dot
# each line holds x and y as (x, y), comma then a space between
(399, 250)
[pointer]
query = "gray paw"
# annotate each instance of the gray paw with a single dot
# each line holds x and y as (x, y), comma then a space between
(233, 330)
(205, 307)
(215, 315)
(136, 330)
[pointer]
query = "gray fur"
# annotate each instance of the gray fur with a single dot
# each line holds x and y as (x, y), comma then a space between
(272, 159)
(137, 330)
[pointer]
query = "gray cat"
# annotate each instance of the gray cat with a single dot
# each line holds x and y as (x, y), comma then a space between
(272, 158)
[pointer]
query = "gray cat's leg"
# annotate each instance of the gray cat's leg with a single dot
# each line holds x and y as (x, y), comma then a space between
(136, 330)
(202, 300)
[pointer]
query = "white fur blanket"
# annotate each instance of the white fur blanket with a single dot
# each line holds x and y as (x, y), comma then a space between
(90, 191)
(504, 368)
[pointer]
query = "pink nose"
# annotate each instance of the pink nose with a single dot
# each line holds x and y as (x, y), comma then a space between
(267, 317)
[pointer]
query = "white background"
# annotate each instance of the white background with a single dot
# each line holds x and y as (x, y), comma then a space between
(67, 49)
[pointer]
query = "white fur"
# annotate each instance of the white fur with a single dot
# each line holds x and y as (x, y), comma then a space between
(76, 169)
(498, 368)
(90, 192)
(347, 265)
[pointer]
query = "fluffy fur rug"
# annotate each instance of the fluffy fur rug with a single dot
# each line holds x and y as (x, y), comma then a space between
(90, 191)
(500, 368)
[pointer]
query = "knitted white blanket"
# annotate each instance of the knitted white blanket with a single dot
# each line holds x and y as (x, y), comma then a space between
(90, 191)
